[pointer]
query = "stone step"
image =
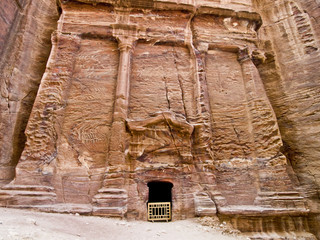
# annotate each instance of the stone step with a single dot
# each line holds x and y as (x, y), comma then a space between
(261, 210)
(110, 196)
(110, 202)
(204, 206)
(290, 199)
(26, 195)
(112, 191)
(110, 211)
(28, 188)
(281, 236)
(83, 209)
(113, 183)
(289, 193)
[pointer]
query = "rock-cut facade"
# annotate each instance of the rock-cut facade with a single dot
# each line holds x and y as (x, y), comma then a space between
(141, 94)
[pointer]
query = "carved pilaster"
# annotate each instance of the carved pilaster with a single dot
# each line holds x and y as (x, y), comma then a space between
(265, 134)
(250, 91)
(116, 158)
(258, 104)
(34, 180)
(123, 81)
(249, 79)
(118, 130)
(37, 160)
(204, 129)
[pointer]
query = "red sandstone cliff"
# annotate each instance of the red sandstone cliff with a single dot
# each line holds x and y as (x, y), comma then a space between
(195, 88)
(25, 44)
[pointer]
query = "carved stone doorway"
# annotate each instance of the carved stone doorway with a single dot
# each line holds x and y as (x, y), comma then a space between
(160, 201)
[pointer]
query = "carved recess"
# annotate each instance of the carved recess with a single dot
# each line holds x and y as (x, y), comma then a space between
(161, 134)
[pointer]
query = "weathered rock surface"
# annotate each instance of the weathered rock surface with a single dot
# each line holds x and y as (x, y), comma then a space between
(290, 76)
(201, 94)
(25, 35)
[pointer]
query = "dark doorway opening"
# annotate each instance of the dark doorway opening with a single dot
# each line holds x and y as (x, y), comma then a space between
(160, 192)
(160, 201)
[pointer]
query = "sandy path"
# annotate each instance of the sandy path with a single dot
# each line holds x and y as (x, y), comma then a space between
(27, 225)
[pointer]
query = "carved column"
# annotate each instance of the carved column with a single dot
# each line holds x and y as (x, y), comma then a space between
(34, 183)
(115, 173)
(118, 130)
(250, 85)
(271, 169)
(202, 105)
(265, 134)
(270, 163)
(37, 162)
(203, 157)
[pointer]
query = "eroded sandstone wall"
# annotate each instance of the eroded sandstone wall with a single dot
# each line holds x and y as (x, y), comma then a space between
(25, 43)
(291, 32)
(176, 91)
(292, 29)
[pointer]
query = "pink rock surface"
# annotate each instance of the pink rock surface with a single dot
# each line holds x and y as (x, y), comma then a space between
(219, 98)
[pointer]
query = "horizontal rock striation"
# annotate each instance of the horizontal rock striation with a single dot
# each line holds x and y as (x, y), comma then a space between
(25, 34)
(290, 36)
(198, 94)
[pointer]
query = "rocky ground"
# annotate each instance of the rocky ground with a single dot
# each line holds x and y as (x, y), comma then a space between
(16, 224)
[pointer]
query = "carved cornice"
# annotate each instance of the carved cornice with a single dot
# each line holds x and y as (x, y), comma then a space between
(207, 7)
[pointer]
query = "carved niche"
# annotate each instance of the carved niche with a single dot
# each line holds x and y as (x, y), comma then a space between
(162, 133)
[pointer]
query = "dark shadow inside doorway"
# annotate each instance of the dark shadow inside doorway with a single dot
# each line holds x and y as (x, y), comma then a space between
(160, 191)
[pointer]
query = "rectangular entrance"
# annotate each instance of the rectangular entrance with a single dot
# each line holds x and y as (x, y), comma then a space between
(159, 204)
